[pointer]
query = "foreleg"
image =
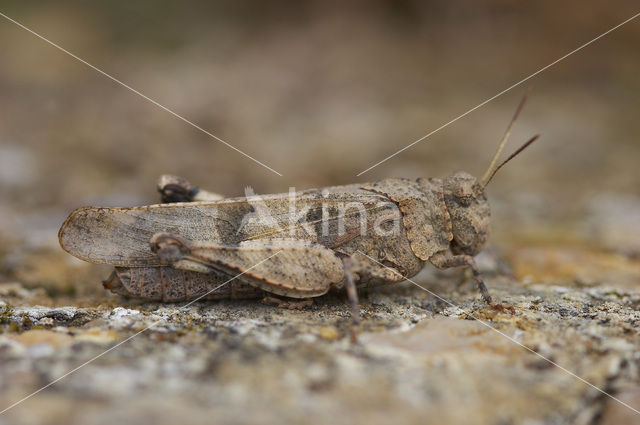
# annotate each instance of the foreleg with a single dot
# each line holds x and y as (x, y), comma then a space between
(445, 260)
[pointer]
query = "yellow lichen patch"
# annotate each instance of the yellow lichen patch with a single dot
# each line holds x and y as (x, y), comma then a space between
(328, 333)
(493, 314)
(584, 264)
(98, 336)
(43, 337)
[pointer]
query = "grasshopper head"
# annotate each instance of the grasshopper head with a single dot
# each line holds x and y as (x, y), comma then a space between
(466, 201)
(468, 207)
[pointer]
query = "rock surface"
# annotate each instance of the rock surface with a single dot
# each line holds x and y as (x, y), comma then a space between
(433, 355)
(320, 91)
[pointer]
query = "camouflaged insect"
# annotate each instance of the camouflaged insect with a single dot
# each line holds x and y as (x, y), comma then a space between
(198, 244)
(180, 251)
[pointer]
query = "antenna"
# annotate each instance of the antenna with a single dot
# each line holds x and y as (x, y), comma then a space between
(513, 155)
(503, 142)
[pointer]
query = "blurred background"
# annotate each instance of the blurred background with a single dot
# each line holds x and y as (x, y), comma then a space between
(319, 91)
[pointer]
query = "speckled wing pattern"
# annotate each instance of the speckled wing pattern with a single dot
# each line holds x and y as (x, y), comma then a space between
(120, 236)
(424, 213)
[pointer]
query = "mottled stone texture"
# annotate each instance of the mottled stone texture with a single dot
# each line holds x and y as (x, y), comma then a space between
(420, 359)
(320, 91)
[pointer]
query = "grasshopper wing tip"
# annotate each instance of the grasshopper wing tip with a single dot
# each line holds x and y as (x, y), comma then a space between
(79, 231)
(107, 235)
(68, 231)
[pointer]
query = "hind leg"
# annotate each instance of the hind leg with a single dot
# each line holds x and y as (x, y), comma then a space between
(178, 189)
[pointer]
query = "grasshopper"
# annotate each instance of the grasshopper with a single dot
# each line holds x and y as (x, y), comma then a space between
(296, 245)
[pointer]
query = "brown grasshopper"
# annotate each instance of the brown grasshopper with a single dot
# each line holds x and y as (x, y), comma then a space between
(297, 245)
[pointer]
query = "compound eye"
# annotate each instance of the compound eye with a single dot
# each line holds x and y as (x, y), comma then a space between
(464, 194)
(478, 192)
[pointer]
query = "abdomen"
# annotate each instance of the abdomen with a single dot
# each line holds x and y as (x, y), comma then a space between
(169, 284)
